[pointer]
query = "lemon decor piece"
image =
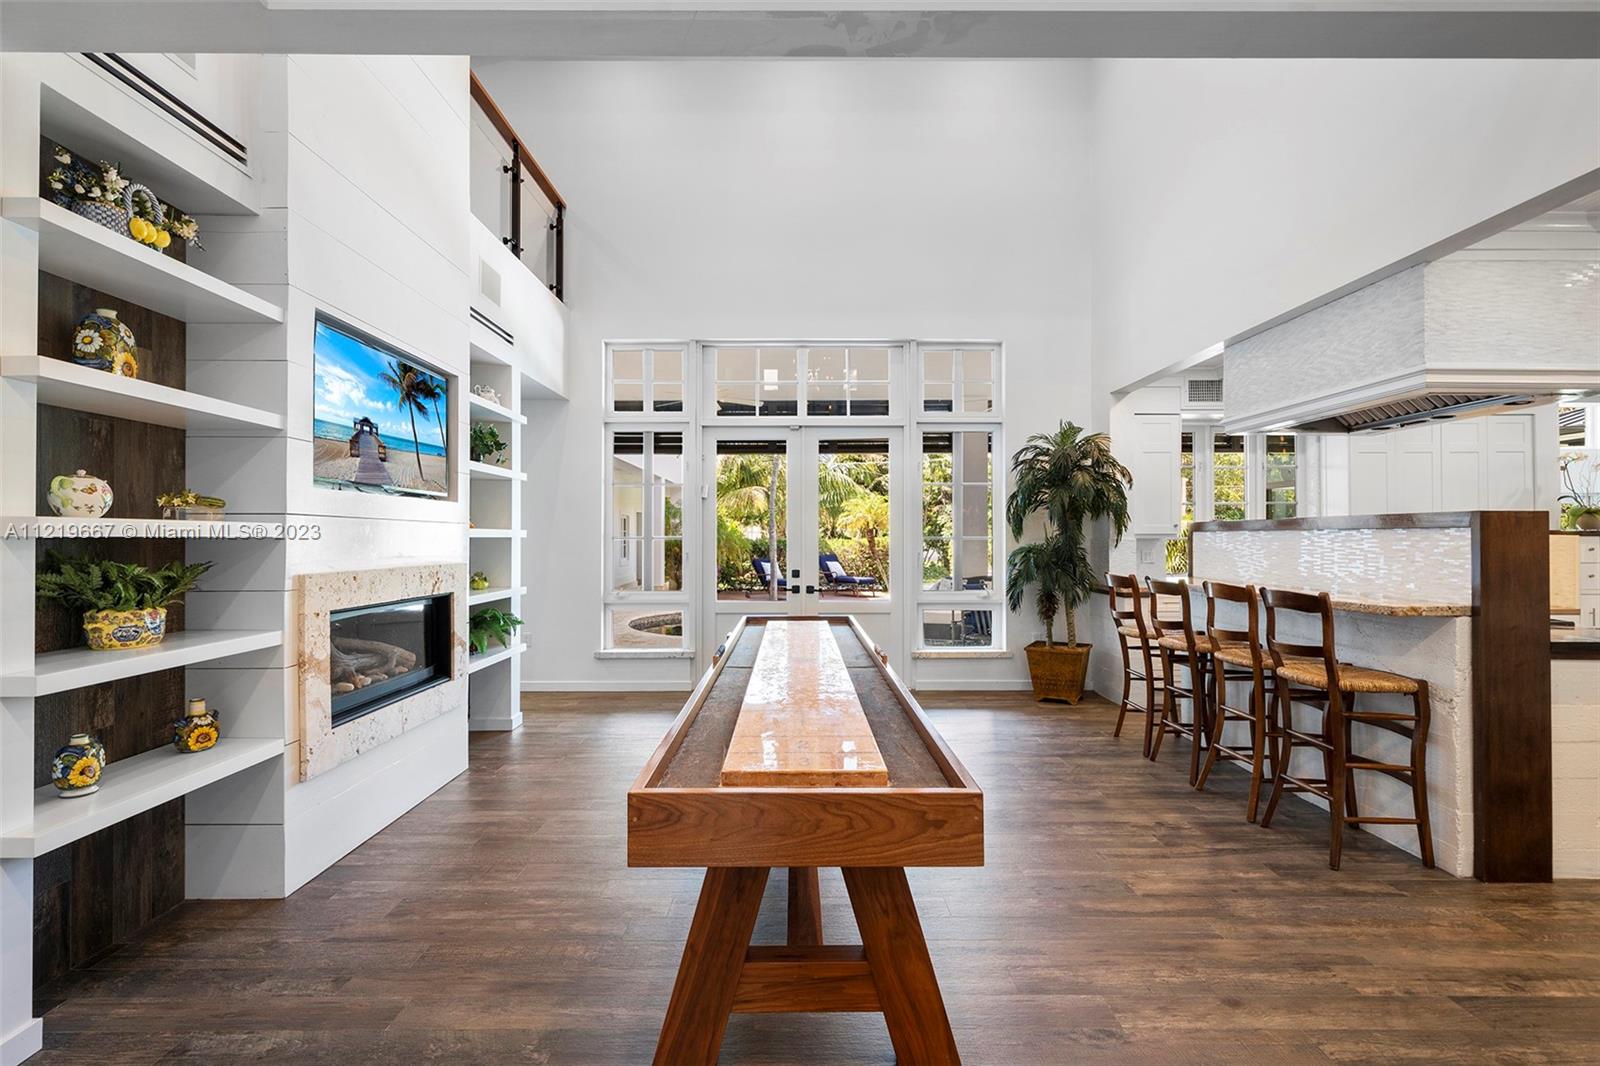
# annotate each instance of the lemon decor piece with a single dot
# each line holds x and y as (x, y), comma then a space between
(102, 341)
(100, 193)
(198, 729)
(76, 769)
(124, 604)
(79, 495)
(479, 581)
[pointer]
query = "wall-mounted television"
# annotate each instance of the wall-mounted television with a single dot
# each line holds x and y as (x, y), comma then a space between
(379, 416)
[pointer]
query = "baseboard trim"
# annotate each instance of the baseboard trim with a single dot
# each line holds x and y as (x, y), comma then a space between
(980, 685)
(606, 686)
(496, 724)
(22, 1042)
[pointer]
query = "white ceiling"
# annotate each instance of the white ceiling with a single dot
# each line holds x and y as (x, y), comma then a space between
(886, 28)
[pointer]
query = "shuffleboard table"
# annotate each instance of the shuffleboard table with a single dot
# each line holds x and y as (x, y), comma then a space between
(800, 748)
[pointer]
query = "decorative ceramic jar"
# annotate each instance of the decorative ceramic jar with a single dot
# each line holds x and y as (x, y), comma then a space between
(121, 630)
(479, 581)
(197, 730)
(484, 392)
(77, 767)
(79, 495)
(103, 341)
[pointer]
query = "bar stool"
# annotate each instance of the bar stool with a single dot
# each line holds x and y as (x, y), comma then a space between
(1127, 611)
(1317, 668)
(1237, 655)
(1180, 646)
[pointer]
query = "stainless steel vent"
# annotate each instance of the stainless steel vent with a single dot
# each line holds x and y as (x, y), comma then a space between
(1204, 390)
(1428, 407)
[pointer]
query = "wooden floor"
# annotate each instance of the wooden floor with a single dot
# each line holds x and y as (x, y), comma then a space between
(1122, 917)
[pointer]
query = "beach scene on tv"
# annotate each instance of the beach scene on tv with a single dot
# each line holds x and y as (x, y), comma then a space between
(378, 420)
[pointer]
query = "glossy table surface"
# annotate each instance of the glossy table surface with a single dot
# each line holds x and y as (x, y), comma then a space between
(801, 723)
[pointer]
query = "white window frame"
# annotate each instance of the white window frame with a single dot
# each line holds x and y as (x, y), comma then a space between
(992, 599)
(996, 383)
(681, 599)
(901, 367)
(649, 348)
(1204, 434)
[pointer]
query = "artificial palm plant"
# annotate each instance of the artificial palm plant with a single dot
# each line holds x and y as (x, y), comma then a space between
(1066, 477)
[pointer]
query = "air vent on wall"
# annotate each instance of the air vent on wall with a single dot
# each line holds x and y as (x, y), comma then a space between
(1203, 391)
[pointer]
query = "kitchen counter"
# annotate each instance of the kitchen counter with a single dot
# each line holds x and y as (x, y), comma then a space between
(1575, 643)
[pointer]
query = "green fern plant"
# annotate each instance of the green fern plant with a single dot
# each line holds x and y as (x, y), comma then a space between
(491, 623)
(92, 585)
(485, 442)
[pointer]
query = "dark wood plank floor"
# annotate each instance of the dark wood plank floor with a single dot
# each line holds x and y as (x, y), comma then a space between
(1122, 918)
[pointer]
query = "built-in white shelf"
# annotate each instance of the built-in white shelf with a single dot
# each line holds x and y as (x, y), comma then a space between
(492, 594)
(61, 671)
(489, 658)
(80, 388)
(25, 527)
(72, 247)
(129, 787)
(502, 534)
(490, 472)
(484, 411)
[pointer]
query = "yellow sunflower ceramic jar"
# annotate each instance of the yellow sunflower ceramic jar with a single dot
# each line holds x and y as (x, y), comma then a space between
(102, 341)
(197, 730)
(77, 767)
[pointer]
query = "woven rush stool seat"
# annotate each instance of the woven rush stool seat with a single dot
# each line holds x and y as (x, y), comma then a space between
(1203, 643)
(1302, 676)
(1313, 674)
(1134, 637)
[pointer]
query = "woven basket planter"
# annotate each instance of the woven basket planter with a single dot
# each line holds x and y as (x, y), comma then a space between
(1058, 670)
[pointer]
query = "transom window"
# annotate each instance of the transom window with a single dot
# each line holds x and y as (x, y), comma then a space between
(958, 380)
(783, 382)
(647, 380)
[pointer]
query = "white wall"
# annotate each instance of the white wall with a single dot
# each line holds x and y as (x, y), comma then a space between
(1229, 192)
(810, 200)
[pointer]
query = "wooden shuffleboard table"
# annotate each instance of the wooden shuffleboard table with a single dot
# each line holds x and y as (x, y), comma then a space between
(800, 748)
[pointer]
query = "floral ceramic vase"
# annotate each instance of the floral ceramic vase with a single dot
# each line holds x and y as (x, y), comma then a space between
(79, 495)
(121, 630)
(197, 730)
(103, 341)
(77, 767)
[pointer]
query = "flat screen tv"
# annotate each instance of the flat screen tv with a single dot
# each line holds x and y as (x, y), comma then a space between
(378, 416)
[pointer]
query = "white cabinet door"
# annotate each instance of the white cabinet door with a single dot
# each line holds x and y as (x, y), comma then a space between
(1156, 503)
(1369, 473)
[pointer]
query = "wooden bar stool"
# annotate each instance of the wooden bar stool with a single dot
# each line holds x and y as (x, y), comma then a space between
(1134, 637)
(1317, 668)
(1237, 655)
(1181, 647)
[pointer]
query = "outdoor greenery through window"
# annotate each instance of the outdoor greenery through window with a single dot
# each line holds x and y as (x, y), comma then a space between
(1280, 475)
(752, 486)
(1178, 547)
(1228, 500)
(957, 511)
(853, 518)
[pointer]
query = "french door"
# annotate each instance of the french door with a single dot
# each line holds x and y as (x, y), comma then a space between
(798, 522)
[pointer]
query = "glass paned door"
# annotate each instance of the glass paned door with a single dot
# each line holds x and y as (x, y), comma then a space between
(748, 520)
(850, 503)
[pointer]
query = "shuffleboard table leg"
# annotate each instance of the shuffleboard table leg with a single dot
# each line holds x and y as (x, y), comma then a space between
(805, 907)
(713, 957)
(898, 955)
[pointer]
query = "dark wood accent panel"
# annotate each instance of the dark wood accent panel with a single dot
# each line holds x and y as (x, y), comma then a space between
(99, 892)
(130, 716)
(140, 461)
(1511, 757)
(1418, 520)
(162, 342)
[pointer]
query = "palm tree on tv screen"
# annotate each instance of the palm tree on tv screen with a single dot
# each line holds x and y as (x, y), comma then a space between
(411, 386)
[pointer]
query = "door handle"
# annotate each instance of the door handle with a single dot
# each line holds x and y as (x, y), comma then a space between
(794, 575)
(811, 590)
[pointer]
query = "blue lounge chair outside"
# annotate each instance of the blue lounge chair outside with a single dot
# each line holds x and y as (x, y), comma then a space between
(833, 574)
(763, 570)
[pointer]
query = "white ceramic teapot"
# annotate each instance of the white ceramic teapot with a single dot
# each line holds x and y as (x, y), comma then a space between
(79, 495)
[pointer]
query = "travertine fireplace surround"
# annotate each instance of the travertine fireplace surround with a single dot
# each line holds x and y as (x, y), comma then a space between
(317, 597)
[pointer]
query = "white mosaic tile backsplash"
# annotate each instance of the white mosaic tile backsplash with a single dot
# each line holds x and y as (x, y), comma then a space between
(1386, 566)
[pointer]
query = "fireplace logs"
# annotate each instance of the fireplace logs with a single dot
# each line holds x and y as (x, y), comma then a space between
(358, 663)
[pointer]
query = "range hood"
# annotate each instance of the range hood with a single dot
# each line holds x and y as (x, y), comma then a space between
(1417, 410)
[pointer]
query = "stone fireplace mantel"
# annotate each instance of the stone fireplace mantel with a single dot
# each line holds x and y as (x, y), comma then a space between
(318, 596)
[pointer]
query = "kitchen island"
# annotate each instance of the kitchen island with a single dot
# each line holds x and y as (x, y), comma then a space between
(1460, 600)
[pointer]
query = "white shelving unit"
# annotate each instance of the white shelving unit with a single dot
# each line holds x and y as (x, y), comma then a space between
(70, 246)
(495, 542)
(131, 786)
(62, 671)
(37, 236)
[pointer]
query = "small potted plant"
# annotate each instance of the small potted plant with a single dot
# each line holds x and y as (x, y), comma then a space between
(1066, 477)
(485, 442)
(1580, 504)
(124, 605)
(491, 623)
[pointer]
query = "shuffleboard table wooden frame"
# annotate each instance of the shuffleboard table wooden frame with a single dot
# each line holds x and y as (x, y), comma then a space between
(740, 833)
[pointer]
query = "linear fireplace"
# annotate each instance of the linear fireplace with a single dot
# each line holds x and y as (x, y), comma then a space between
(381, 653)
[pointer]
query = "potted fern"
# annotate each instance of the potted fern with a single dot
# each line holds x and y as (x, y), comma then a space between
(1066, 477)
(491, 623)
(124, 605)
